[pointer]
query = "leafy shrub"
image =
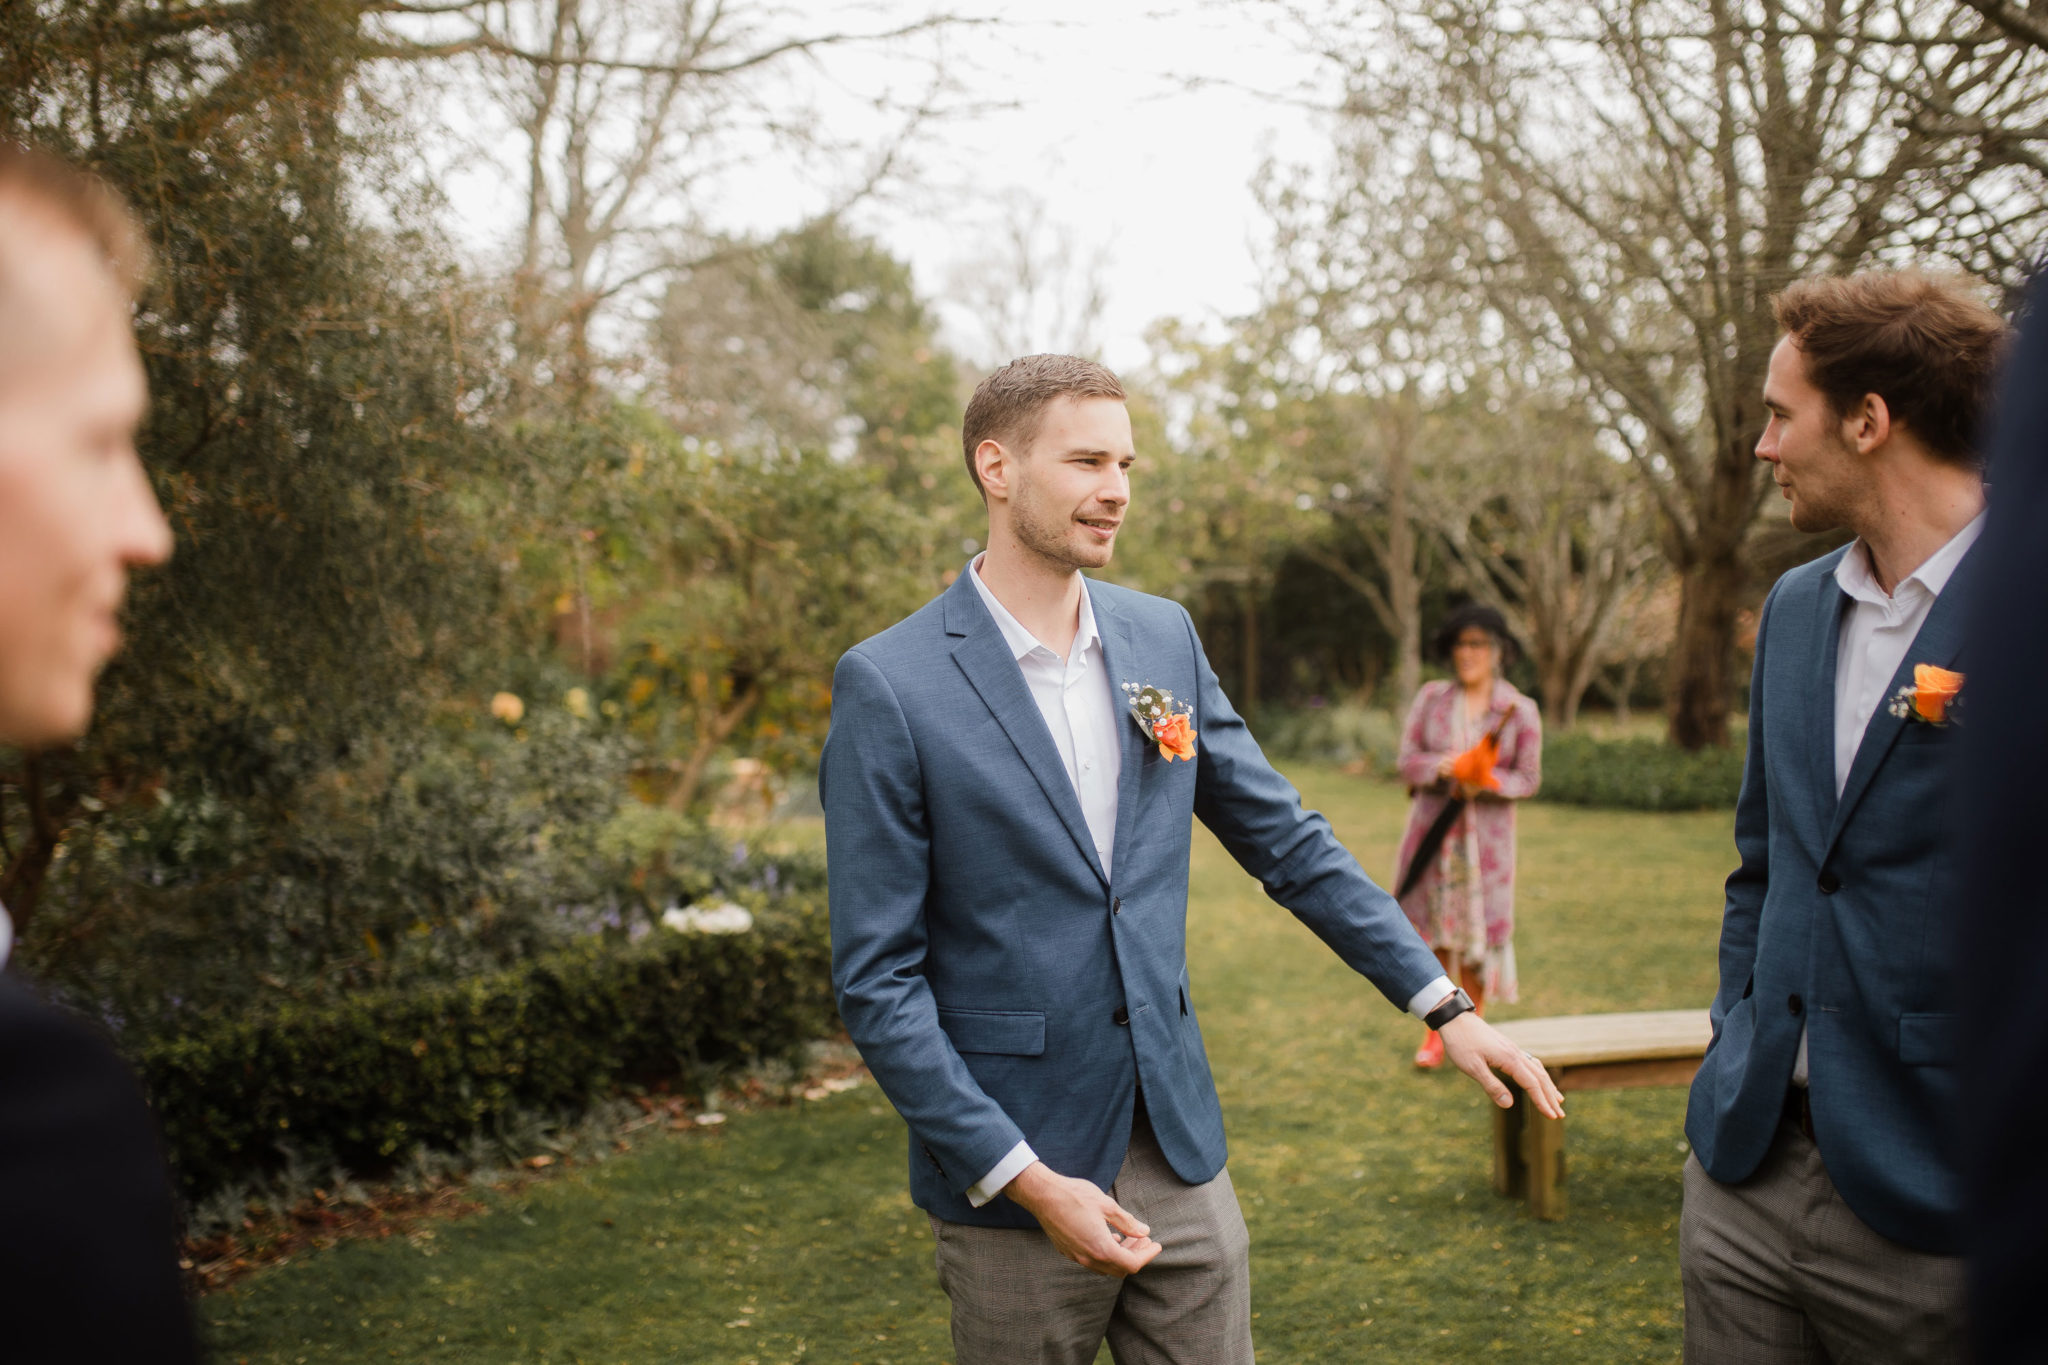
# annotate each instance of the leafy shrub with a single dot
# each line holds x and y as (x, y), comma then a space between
(369, 1079)
(1343, 733)
(1638, 774)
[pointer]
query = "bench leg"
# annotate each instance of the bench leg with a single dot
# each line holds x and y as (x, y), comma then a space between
(1543, 1154)
(1510, 1171)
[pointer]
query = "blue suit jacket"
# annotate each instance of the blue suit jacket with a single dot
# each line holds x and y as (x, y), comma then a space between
(1839, 918)
(984, 964)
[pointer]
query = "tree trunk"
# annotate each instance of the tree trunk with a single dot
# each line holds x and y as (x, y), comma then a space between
(21, 884)
(1709, 600)
(1248, 700)
(1558, 690)
(1404, 582)
(1712, 577)
(714, 727)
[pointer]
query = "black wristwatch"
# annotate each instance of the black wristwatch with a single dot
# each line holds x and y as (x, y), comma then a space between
(1459, 1003)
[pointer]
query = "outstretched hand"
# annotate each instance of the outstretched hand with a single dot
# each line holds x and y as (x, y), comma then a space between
(1087, 1226)
(1477, 1048)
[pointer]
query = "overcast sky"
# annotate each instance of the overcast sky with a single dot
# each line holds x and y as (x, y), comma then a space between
(1140, 127)
(1135, 126)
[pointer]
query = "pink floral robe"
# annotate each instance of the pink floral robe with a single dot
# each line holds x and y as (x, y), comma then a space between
(1465, 903)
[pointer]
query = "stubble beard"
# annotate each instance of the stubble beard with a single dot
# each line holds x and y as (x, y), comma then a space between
(1828, 510)
(1050, 538)
(1839, 506)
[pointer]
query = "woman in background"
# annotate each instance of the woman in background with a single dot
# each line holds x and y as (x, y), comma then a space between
(1463, 903)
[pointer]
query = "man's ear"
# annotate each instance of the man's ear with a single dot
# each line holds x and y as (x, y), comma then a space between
(1870, 425)
(992, 462)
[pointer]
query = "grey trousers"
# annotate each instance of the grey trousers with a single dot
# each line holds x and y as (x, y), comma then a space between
(1017, 1301)
(1779, 1271)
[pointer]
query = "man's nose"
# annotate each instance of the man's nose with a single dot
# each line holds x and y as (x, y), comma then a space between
(145, 535)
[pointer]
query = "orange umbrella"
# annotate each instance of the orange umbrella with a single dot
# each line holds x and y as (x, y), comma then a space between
(1473, 768)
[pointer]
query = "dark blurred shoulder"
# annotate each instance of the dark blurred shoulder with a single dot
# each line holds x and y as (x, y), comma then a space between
(39, 1040)
(88, 1225)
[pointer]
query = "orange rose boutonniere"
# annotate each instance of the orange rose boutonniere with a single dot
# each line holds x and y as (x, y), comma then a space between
(1170, 723)
(1932, 699)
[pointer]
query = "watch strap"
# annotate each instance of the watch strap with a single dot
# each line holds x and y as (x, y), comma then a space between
(1459, 1003)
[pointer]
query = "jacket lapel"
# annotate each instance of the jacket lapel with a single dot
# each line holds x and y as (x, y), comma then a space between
(1120, 660)
(1830, 609)
(984, 656)
(1939, 642)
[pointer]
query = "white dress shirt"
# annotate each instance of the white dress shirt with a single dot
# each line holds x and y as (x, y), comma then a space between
(1877, 630)
(1077, 698)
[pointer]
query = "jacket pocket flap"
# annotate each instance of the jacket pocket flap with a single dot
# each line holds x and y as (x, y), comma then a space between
(1019, 1033)
(1927, 1039)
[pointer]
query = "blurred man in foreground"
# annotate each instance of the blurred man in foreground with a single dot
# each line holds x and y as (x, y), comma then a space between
(1822, 1202)
(2004, 816)
(88, 1266)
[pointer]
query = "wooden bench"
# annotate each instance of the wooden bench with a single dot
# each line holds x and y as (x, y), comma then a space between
(1585, 1052)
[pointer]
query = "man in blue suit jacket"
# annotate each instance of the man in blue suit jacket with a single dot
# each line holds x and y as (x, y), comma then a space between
(1821, 1201)
(1009, 789)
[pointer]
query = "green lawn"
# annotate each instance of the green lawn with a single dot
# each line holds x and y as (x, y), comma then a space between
(787, 1235)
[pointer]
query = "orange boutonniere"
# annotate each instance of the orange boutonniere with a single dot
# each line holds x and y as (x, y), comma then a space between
(1170, 723)
(1932, 699)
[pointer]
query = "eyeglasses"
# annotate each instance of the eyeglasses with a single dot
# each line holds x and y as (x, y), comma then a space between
(1472, 644)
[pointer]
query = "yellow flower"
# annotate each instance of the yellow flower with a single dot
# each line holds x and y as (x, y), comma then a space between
(578, 702)
(508, 708)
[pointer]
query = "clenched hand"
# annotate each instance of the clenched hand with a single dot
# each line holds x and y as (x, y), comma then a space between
(1089, 1228)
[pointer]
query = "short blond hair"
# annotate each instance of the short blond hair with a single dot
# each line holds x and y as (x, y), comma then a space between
(1008, 405)
(36, 184)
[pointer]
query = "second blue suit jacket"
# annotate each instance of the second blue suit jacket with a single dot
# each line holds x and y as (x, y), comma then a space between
(1839, 919)
(999, 985)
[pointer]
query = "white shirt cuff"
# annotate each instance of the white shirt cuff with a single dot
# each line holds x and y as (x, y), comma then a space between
(1006, 1170)
(1430, 996)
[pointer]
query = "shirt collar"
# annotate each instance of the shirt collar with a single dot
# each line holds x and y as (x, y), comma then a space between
(1855, 577)
(1022, 641)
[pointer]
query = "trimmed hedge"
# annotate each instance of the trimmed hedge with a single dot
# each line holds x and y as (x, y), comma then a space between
(1638, 774)
(373, 1077)
(1342, 733)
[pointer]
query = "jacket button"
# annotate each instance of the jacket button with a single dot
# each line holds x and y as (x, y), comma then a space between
(1794, 1003)
(1829, 883)
(1121, 1017)
(1116, 905)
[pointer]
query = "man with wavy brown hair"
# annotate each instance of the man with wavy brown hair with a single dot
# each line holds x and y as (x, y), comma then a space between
(1822, 1200)
(87, 1252)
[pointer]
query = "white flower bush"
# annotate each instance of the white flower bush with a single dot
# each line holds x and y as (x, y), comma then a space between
(723, 918)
